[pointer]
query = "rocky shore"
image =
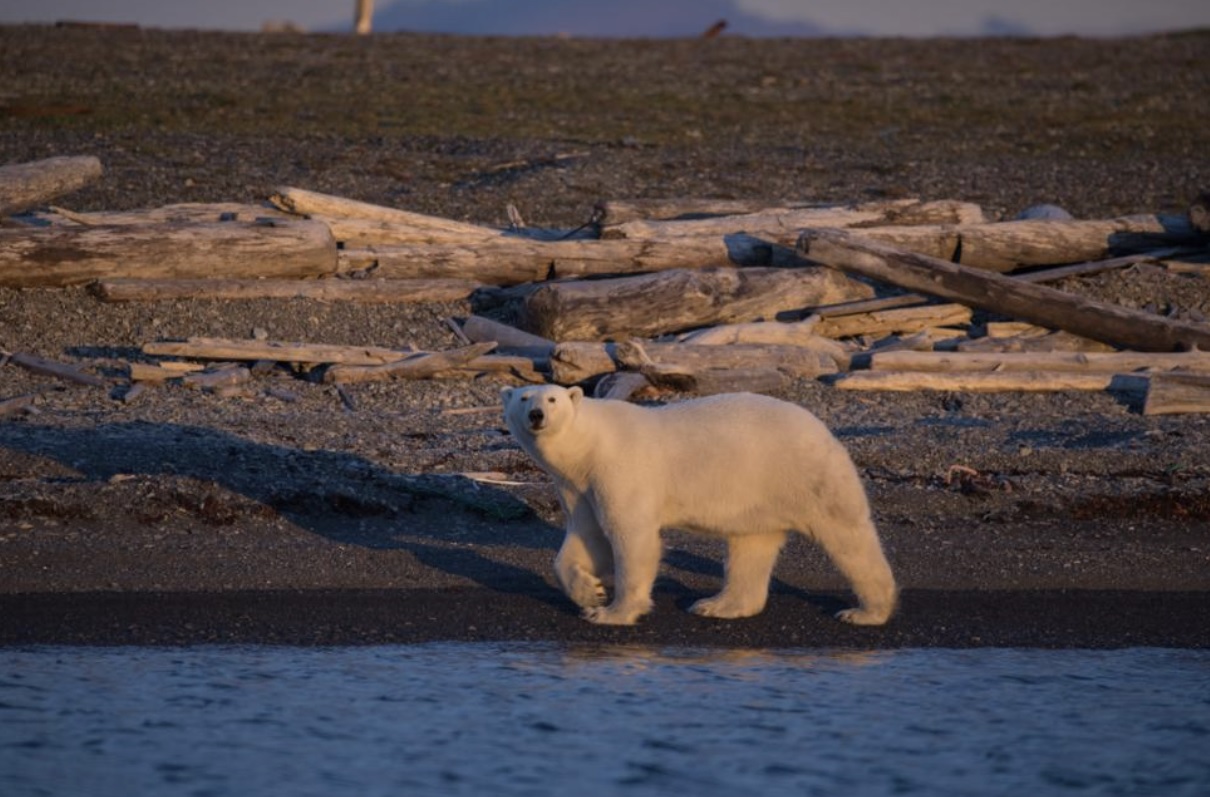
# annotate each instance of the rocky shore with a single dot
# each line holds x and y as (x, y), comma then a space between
(182, 517)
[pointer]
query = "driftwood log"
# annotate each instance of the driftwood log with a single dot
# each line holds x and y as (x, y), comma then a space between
(311, 203)
(671, 301)
(977, 288)
(365, 291)
(1007, 246)
(578, 361)
(505, 260)
(185, 212)
(1087, 362)
(991, 382)
(1171, 393)
(26, 185)
(904, 319)
(252, 350)
(45, 367)
(418, 365)
(783, 226)
(61, 256)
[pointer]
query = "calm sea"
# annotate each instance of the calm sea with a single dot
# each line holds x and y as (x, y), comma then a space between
(486, 719)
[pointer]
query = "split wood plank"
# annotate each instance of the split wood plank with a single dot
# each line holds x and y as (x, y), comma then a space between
(904, 319)
(1087, 362)
(784, 226)
(419, 365)
(252, 350)
(1038, 304)
(26, 185)
(362, 291)
(312, 203)
(61, 256)
(671, 301)
(991, 382)
(1171, 393)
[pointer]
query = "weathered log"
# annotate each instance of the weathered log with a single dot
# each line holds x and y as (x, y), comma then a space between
(60, 256)
(24, 403)
(578, 361)
(1050, 341)
(1007, 246)
(991, 382)
(799, 333)
(1170, 393)
(218, 380)
(252, 350)
(783, 226)
(185, 212)
(617, 211)
(419, 365)
(146, 372)
(712, 381)
(1091, 362)
(478, 329)
(45, 367)
(511, 261)
(363, 291)
(25, 185)
(904, 319)
(671, 301)
(1035, 303)
(620, 386)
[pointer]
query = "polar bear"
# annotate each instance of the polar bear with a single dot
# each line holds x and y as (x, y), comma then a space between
(745, 467)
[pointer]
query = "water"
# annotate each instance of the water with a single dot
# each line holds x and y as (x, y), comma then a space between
(485, 719)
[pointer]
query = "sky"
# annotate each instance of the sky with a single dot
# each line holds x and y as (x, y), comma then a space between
(862, 17)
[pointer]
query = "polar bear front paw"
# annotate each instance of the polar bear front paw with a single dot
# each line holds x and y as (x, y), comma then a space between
(724, 607)
(862, 617)
(585, 589)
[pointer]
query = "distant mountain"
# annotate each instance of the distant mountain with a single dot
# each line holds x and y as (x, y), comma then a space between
(593, 18)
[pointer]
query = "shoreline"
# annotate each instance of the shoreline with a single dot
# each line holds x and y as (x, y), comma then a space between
(957, 619)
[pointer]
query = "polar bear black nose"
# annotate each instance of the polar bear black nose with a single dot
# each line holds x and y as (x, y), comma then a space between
(535, 416)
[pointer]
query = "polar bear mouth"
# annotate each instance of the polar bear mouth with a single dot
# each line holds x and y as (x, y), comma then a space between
(537, 420)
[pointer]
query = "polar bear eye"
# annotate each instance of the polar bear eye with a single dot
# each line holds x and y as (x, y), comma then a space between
(550, 399)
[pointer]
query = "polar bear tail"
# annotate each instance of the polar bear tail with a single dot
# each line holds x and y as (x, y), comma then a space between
(859, 557)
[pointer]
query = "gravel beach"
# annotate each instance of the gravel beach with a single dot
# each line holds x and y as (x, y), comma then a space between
(182, 517)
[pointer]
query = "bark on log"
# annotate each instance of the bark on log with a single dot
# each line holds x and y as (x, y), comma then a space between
(672, 301)
(419, 365)
(252, 350)
(990, 382)
(884, 322)
(1169, 394)
(26, 185)
(1035, 303)
(311, 203)
(783, 226)
(61, 256)
(1007, 246)
(512, 261)
(1091, 362)
(375, 291)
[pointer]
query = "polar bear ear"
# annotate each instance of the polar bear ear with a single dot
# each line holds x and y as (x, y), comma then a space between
(575, 394)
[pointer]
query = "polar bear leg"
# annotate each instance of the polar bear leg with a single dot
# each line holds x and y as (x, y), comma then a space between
(855, 550)
(750, 560)
(584, 557)
(636, 558)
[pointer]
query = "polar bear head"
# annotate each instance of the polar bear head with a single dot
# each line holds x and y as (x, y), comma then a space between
(542, 410)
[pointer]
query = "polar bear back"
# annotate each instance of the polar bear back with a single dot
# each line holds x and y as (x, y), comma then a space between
(726, 462)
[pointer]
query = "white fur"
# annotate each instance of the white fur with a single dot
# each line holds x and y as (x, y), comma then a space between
(747, 468)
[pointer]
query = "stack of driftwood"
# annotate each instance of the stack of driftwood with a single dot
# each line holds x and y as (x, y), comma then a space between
(694, 295)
